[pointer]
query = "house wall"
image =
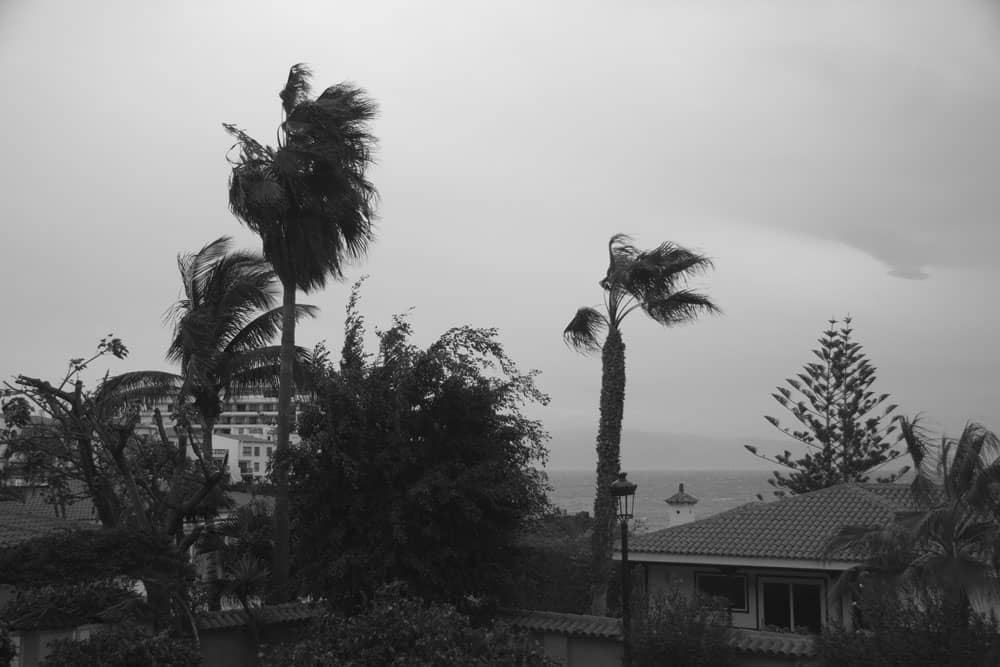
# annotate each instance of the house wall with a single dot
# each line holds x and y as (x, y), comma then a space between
(570, 651)
(661, 577)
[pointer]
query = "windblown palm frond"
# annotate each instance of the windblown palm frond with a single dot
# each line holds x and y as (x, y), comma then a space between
(584, 330)
(297, 89)
(256, 371)
(309, 200)
(265, 328)
(142, 388)
(679, 307)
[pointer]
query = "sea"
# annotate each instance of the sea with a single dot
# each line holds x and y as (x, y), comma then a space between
(716, 491)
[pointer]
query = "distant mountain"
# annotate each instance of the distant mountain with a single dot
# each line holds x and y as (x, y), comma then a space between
(572, 448)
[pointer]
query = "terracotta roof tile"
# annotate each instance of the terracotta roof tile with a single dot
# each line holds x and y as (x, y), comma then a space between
(797, 527)
(289, 612)
(576, 625)
(773, 643)
(19, 524)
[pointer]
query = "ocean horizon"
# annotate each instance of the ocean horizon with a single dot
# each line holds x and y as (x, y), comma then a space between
(716, 491)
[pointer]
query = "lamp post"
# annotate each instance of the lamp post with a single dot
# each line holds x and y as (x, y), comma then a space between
(624, 493)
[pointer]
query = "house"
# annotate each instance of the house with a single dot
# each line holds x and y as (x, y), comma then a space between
(771, 560)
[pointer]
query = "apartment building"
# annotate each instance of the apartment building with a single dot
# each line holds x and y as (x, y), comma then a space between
(244, 435)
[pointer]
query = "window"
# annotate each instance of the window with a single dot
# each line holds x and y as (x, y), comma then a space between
(246, 451)
(269, 450)
(256, 466)
(256, 451)
(789, 605)
(733, 587)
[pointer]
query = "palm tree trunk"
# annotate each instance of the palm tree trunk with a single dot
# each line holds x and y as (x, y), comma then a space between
(207, 432)
(282, 548)
(609, 437)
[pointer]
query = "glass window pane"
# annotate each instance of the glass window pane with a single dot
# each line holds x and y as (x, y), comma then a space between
(733, 588)
(777, 606)
(806, 603)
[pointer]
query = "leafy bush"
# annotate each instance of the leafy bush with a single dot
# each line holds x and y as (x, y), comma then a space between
(7, 650)
(83, 601)
(551, 567)
(88, 555)
(408, 632)
(923, 628)
(124, 647)
(416, 465)
(683, 630)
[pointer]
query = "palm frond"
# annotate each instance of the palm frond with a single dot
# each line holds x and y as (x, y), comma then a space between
(136, 388)
(660, 271)
(584, 330)
(265, 328)
(916, 439)
(679, 307)
(310, 200)
(297, 89)
(256, 371)
(621, 253)
(967, 461)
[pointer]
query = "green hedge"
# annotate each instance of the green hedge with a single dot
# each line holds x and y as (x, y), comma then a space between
(124, 647)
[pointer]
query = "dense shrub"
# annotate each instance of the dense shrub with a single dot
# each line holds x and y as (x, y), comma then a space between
(408, 632)
(83, 601)
(7, 650)
(124, 647)
(552, 564)
(416, 465)
(922, 628)
(682, 630)
(88, 555)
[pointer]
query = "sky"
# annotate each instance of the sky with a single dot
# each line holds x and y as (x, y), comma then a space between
(831, 157)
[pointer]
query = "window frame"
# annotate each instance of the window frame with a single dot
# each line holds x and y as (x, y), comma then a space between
(789, 580)
(746, 586)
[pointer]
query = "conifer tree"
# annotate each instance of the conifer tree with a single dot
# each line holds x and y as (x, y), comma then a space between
(845, 434)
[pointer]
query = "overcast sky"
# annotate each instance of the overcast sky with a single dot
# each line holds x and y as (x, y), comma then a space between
(831, 157)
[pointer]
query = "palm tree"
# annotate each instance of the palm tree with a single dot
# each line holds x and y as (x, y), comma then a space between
(952, 543)
(653, 281)
(312, 205)
(222, 327)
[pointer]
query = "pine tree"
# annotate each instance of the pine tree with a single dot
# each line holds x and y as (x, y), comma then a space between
(840, 426)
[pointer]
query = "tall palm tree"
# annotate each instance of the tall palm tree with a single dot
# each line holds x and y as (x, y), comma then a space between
(222, 327)
(313, 207)
(952, 543)
(652, 281)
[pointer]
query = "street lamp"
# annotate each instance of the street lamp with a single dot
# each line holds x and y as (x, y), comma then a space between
(624, 493)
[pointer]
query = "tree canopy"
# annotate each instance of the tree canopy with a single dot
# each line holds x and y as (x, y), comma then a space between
(845, 434)
(416, 464)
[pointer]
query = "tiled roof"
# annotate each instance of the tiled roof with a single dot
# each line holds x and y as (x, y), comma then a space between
(576, 625)
(80, 509)
(19, 523)
(797, 527)
(289, 612)
(773, 643)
